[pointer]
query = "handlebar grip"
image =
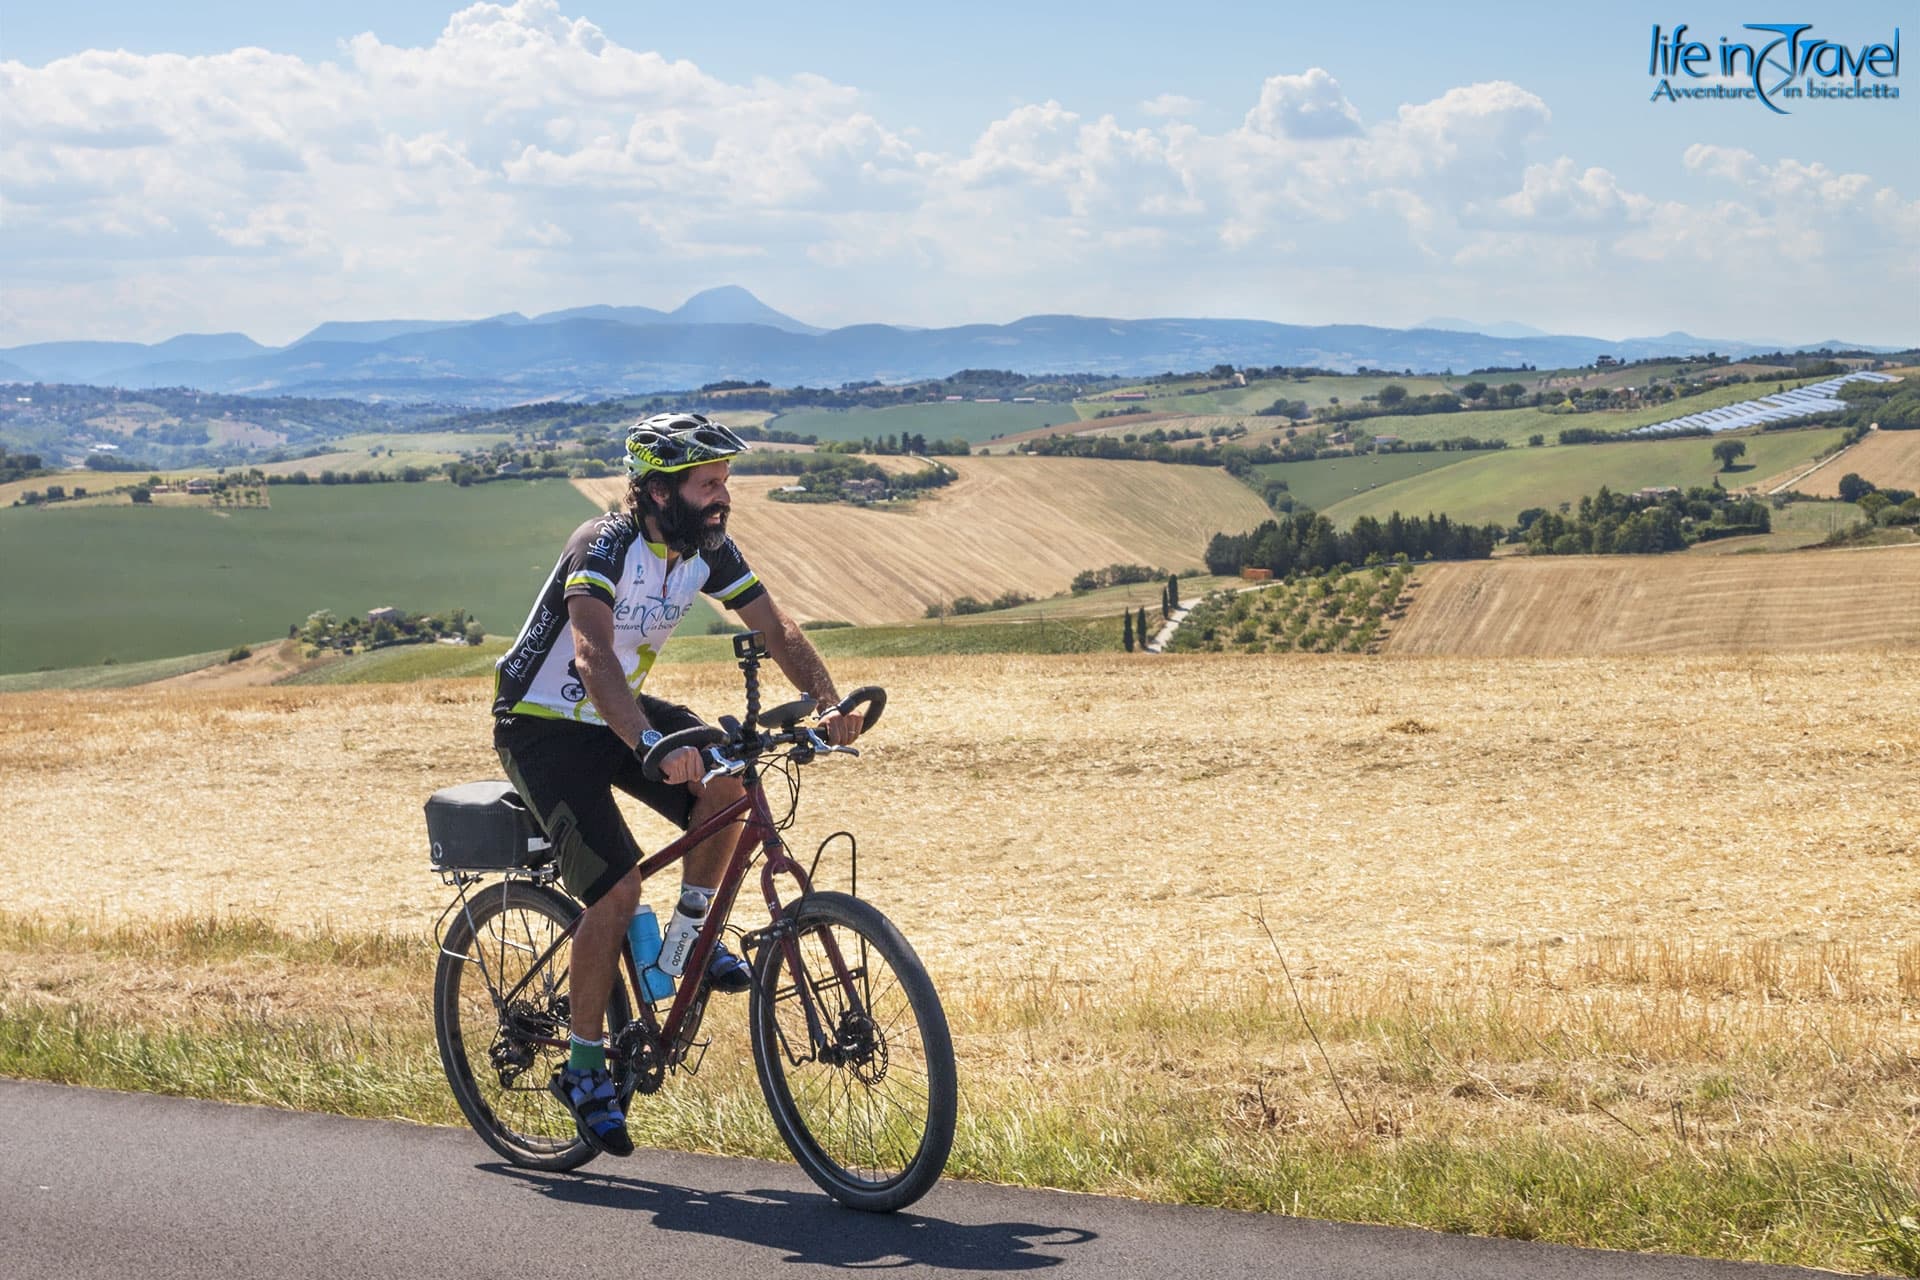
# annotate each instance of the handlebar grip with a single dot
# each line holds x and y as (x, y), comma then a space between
(699, 736)
(872, 696)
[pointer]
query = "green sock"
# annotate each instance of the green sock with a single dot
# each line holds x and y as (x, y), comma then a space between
(587, 1055)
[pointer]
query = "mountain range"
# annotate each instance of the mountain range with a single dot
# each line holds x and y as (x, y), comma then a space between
(599, 351)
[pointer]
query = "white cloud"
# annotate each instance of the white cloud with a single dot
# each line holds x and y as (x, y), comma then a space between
(524, 159)
(1171, 105)
(1303, 107)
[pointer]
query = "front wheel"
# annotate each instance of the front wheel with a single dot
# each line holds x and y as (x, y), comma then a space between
(854, 1055)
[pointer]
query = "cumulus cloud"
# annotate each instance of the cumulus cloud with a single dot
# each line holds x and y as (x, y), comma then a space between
(1304, 107)
(525, 159)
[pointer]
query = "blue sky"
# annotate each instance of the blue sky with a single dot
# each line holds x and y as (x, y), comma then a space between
(1364, 163)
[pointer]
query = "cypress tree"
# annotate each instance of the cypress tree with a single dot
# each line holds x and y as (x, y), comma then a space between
(1126, 629)
(1142, 626)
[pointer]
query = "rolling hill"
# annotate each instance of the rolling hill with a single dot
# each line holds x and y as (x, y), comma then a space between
(1579, 606)
(1007, 524)
(1497, 486)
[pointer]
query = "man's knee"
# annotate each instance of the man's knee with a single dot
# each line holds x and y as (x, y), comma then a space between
(621, 900)
(716, 795)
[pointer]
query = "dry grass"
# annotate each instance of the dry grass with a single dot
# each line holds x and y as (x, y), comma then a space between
(1560, 922)
(1564, 605)
(1022, 524)
(1889, 459)
(1392, 813)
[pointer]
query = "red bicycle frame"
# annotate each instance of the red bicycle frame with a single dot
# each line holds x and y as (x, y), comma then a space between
(689, 1002)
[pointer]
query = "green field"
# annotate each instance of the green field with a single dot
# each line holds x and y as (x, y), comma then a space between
(120, 675)
(1246, 400)
(974, 423)
(398, 664)
(1515, 425)
(927, 639)
(1324, 481)
(80, 586)
(1498, 486)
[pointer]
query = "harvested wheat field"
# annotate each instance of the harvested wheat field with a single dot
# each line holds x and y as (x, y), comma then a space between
(1888, 459)
(1007, 524)
(1389, 813)
(1602, 951)
(1811, 601)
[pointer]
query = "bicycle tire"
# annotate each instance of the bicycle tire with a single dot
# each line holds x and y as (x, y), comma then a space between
(869, 1148)
(510, 926)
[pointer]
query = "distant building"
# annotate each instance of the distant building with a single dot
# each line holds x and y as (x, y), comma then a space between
(1607, 362)
(385, 613)
(1257, 575)
(199, 486)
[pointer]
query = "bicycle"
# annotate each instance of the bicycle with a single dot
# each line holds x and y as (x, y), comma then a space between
(849, 1041)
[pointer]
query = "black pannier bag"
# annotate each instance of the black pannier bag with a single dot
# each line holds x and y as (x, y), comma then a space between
(483, 826)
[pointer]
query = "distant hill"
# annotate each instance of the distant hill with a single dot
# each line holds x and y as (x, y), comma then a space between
(730, 304)
(1796, 602)
(603, 351)
(1500, 329)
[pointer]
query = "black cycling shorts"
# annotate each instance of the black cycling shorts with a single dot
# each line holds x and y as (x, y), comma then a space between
(566, 771)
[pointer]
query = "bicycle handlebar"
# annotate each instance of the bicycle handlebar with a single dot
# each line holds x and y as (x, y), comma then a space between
(871, 698)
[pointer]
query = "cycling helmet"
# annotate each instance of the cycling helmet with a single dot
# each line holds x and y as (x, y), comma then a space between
(669, 442)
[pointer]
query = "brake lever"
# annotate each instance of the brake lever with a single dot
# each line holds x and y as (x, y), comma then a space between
(724, 767)
(820, 746)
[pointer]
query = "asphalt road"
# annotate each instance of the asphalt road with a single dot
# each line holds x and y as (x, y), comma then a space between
(131, 1185)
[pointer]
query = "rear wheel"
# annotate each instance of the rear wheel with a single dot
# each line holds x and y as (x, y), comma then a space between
(864, 1093)
(493, 1056)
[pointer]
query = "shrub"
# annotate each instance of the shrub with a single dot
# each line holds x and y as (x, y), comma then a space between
(239, 652)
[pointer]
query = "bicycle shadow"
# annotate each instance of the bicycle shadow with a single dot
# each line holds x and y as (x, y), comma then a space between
(811, 1228)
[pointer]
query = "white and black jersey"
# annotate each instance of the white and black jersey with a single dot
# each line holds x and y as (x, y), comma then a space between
(610, 559)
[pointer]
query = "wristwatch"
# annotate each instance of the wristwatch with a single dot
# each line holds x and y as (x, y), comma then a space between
(648, 739)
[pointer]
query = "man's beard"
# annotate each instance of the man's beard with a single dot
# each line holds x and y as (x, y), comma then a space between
(684, 527)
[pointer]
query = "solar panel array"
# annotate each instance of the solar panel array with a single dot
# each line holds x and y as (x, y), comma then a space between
(1802, 402)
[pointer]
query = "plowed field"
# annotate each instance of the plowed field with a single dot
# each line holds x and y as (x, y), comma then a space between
(1578, 605)
(1889, 459)
(1007, 524)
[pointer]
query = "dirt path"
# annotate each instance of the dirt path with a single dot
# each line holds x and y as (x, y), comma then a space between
(269, 662)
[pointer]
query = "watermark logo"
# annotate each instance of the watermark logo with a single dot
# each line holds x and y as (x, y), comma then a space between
(1785, 65)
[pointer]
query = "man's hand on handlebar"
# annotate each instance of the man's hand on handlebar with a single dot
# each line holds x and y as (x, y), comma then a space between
(682, 767)
(840, 728)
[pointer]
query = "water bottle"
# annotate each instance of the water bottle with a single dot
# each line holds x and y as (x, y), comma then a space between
(643, 936)
(682, 930)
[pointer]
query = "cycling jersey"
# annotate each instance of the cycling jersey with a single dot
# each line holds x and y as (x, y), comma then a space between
(610, 559)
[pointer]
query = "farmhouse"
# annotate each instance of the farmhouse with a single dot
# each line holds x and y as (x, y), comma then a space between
(385, 613)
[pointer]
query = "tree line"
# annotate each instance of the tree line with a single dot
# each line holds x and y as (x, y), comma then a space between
(1305, 541)
(1609, 523)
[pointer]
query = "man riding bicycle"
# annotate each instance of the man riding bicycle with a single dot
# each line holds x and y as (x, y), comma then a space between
(571, 722)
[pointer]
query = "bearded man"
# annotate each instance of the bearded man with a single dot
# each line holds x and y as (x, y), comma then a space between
(571, 723)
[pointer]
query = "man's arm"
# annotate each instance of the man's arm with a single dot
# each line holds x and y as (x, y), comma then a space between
(800, 662)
